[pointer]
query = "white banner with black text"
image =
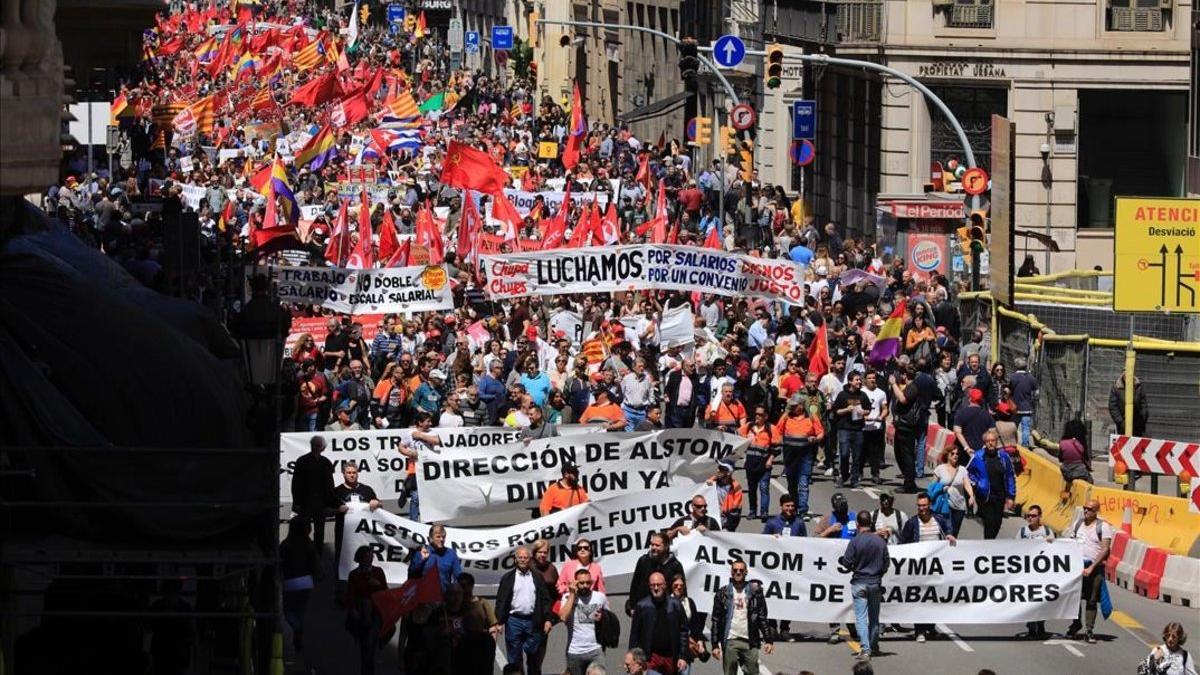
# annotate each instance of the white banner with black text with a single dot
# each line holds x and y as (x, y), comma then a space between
(459, 481)
(376, 453)
(373, 291)
(619, 530)
(970, 582)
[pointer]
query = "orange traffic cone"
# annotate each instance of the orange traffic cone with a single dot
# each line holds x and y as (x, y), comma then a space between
(1127, 521)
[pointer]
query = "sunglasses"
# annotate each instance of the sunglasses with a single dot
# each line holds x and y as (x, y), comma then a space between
(583, 548)
(1029, 516)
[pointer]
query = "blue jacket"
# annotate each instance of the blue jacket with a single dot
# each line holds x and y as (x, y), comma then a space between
(977, 472)
(775, 525)
(448, 564)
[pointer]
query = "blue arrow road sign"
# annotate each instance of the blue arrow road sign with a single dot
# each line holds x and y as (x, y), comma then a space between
(804, 120)
(502, 37)
(728, 51)
(395, 13)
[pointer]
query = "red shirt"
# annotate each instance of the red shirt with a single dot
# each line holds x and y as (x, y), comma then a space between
(691, 198)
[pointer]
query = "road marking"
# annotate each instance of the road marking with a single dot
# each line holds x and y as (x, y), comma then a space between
(501, 661)
(1133, 627)
(779, 486)
(871, 492)
(854, 646)
(762, 670)
(945, 630)
(1065, 644)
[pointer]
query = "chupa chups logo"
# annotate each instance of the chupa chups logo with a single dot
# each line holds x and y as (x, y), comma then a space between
(926, 256)
(434, 277)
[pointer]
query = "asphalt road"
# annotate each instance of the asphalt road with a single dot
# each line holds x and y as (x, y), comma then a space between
(1123, 640)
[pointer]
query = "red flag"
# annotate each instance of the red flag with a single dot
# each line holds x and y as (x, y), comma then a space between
(610, 227)
(658, 235)
(660, 214)
(504, 211)
(583, 229)
(376, 82)
(362, 257)
(245, 14)
(466, 167)
(818, 352)
(576, 130)
(398, 602)
(350, 110)
(469, 226)
(389, 241)
(713, 240)
(673, 237)
(270, 236)
(338, 247)
(428, 235)
(318, 91)
(643, 172)
(402, 254)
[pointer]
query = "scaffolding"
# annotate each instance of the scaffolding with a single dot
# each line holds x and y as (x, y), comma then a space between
(114, 596)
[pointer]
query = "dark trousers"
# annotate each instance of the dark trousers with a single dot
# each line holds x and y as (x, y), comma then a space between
(798, 472)
(906, 456)
(991, 512)
(758, 483)
(681, 418)
(873, 450)
(850, 454)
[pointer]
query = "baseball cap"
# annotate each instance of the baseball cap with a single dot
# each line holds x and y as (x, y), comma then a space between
(976, 396)
(436, 373)
(838, 501)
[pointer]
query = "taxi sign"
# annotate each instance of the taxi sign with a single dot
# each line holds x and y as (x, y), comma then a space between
(1157, 255)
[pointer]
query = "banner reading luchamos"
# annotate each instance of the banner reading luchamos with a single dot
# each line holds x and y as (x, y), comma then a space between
(459, 481)
(350, 291)
(641, 267)
(930, 582)
(376, 453)
(619, 530)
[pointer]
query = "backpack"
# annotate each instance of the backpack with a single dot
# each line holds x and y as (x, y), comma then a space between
(608, 630)
(899, 520)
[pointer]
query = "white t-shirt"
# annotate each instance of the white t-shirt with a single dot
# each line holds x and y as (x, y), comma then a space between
(581, 625)
(1043, 533)
(450, 419)
(739, 623)
(1090, 537)
(893, 522)
(874, 420)
(928, 531)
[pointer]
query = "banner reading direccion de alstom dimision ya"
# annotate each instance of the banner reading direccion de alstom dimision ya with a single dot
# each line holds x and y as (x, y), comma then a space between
(642, 267)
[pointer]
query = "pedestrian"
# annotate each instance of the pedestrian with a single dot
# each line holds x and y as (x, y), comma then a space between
(362, 620)
(436, 554)
(839, 524)
(994, 483)
(867, 558)
(850, 408)
(1170, 658)
(1024, 396)
(635, 662)
(697, 519)
(564, 492)
(581, 608)
(739, 623)
(697, 648)
(660, 628)
(1141, 406)
(926, 526)
(801, 433)
(523, 612)
(351, 491)
(906, 421)
(1074, 460)
(1034, 528)
(887, 520)
(480, 627)
(298, 565)
(1094, 535)
(874, 425)
(952, 479)
(658, 559)
(730, 494)
(637, 391)
(582, 557)
(312, 492)
(760, 457)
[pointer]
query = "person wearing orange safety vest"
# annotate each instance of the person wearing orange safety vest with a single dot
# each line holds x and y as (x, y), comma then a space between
(729, 493)
(728, 414)
(563, 493)
(800, 432)
(760, 457)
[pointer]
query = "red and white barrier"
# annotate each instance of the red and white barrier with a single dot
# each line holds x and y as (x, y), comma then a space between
(1149, 577)
(1181, 581)
(1154, 455)
(1130, 563)
(1120, 543)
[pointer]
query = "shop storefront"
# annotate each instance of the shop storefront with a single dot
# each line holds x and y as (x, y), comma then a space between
(922, 230)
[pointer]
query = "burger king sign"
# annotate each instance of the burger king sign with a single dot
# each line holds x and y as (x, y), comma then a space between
(927, 254)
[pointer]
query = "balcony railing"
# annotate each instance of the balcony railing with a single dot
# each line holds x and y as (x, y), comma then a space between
(859, 20)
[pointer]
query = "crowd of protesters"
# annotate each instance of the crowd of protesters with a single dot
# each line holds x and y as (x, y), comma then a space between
(813, 387)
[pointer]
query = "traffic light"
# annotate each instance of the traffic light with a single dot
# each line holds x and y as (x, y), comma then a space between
(703, 131)
(978, 230)
(729, 143)
(689, 64)
(364, 14)
(774, 74)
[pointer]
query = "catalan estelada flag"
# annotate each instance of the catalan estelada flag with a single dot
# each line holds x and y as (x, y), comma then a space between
(311, 56)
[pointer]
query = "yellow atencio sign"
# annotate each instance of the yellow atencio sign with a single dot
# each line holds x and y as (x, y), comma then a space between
(1157, 255)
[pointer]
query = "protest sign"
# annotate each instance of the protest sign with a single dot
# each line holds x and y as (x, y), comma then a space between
(619, 530)
(677, 327)
(185, 164)
(547, 150)
(376, 453)
(457, 482)
(192, 195)
(524, 201)
(643, 267)
(929, 582)
(350, 291)
(318, 327)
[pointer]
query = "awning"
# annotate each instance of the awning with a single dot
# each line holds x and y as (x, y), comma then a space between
(655, 109)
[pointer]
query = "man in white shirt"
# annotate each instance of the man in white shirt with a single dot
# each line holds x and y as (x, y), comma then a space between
(831, 385)
(873, 426)
(580, 609)
(1034, 528)
(637, 394)
(451, 412)
(1095, 539)
(523, 612)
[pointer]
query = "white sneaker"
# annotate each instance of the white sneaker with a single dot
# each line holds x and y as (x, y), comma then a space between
(828, 472)
(920, 637)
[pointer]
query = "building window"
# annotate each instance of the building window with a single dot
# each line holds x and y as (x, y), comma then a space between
(966, 13)
(1143, 16)
(973, 107)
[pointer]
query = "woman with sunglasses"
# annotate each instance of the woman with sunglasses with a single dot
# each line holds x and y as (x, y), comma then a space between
(695, 620)
(581, 558)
